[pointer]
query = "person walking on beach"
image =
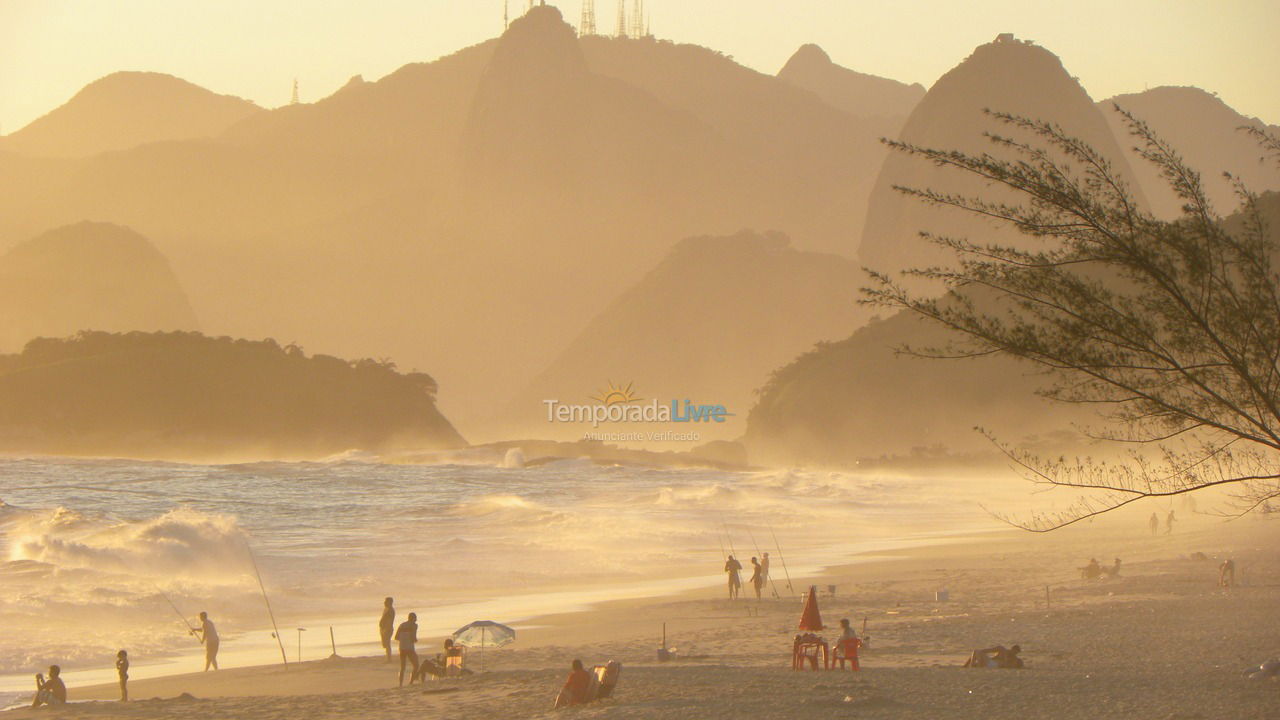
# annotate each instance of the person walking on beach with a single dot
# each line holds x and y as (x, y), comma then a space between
(732, 566)
(122, 670)
(1227, 573)
(387, 625)
(407, 636)
(1154, 523)
(51, 691)
(757, 577)
(1168, 523)
(208, 635)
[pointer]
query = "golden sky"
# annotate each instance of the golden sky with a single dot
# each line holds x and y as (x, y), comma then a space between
(49, 49)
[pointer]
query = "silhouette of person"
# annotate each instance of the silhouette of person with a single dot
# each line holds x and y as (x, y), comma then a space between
(732, 566)
(122, 670)
(407, 636)
(387, 625)
(1154, 523)
(1227, 573)
(757, 577)
(51, 691)
(1168, 523)
(764, 567)
(208, 635)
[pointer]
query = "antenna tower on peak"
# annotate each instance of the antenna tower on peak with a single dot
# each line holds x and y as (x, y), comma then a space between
(588, 24)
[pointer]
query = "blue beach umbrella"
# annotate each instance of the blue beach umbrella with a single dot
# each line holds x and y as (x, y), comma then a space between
(482, 634)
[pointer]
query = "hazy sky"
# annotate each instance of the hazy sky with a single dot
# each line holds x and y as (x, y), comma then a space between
(49, 49)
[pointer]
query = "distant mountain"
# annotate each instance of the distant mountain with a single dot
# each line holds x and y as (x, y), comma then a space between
(1005, 76)
(707, 324)
(183, 395)
(856, 93)
(88, 276)
(473, 214)
(1206, 132)
(858, 399)
(127, 109)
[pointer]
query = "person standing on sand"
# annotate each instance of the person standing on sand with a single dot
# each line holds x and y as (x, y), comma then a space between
(51, 691)
(122, 670)
(732, 566)
(757, 577)
(1227, 573)
(407, 636)
(1154, 523)
(387, 625)
(1168, 523)
(208, 635)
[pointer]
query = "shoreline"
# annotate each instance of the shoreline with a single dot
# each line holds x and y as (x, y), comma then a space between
(1080, 647)
(532, 622)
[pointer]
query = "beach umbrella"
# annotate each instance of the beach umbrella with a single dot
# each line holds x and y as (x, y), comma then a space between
(482, 634)
(810, 619)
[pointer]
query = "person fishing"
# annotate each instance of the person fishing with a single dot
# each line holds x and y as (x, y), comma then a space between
(407, 636)
(122, 671)
(208, 635)
(757, 577)
(733, 567)
(387, 625)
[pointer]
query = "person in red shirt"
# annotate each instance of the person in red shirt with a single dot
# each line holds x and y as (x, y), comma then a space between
(575, 687)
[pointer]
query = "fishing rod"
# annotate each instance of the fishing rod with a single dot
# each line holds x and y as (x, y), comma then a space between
(275, 630)
(781, 557)
(760, 555)
(181, 617)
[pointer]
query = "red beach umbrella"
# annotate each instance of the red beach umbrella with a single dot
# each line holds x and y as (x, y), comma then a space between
(811, 619)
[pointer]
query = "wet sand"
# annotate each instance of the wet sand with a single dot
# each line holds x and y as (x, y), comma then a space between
(1160, 641)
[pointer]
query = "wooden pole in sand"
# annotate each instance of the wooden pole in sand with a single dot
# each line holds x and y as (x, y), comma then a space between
(332, 643)
(1046, 597)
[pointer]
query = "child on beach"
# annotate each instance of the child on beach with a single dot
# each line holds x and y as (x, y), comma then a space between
(122, 669)
(51, 691)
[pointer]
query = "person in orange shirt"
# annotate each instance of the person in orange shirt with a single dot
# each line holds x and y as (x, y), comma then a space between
(575, 687)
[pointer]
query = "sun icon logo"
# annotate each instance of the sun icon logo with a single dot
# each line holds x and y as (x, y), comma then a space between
(617, 395)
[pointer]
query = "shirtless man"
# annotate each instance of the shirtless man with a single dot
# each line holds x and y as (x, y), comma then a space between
(208, 635)
(407, 636)
(51, 691)
(732, 566)
(387, 625)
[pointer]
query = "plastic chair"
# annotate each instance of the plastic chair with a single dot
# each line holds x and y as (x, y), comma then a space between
(847, 650)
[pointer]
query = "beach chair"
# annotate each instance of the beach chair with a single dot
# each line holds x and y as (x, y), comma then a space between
(847, 651)
(604, 678)
(454, 663)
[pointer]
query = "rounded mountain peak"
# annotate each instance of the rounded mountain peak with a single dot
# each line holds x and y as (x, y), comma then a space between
(537, 43)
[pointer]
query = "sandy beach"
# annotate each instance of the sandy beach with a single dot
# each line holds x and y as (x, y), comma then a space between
(1160, 641)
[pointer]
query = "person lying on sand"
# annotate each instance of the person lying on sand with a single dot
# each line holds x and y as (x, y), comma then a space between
(51, 691)
(1267, 670)
(574, 691)
(996, 657)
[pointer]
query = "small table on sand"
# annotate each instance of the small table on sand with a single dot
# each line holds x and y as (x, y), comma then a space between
(807, 647)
